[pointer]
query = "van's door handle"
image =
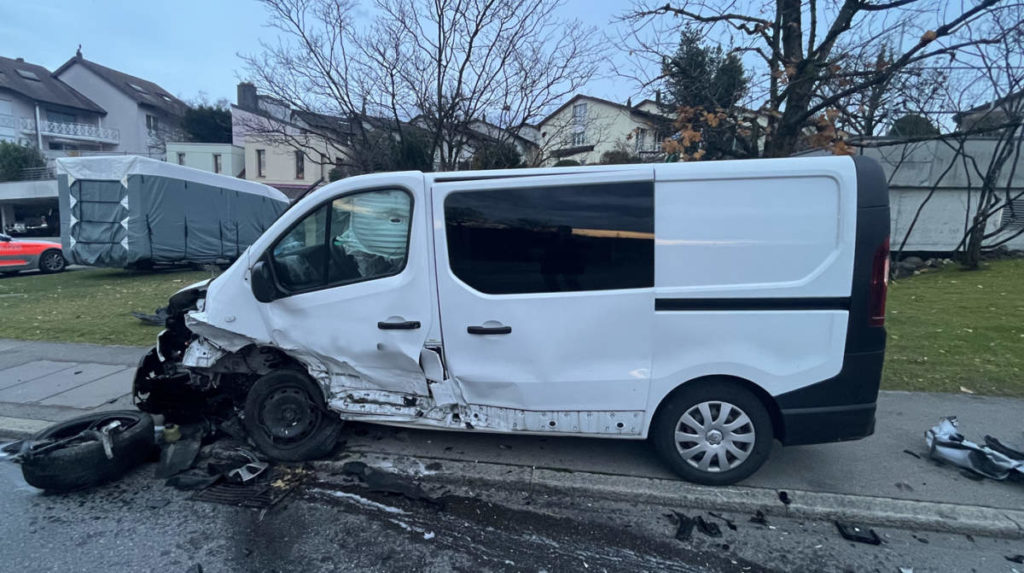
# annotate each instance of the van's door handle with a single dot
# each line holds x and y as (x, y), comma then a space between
(489, 329)
(404, 325)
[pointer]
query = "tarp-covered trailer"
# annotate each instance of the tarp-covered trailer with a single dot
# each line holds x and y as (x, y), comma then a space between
(130, 211)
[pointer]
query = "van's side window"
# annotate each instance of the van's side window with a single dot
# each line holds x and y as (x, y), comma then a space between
(299, 255)
(552, 239)
(353, 238)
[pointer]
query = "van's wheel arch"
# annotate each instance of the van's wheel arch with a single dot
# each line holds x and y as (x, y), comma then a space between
(714, 431)
(287, 418)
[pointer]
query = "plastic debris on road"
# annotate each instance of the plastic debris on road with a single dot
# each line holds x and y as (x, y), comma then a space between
(993, 460)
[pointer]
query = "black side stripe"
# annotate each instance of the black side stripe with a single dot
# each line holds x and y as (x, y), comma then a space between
(705, 304)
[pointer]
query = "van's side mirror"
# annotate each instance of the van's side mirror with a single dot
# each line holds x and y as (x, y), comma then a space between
(263, 287)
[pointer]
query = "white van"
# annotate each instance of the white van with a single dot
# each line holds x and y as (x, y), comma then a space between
(712, 307)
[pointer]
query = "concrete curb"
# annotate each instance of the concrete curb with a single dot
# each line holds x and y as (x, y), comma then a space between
(876, 511)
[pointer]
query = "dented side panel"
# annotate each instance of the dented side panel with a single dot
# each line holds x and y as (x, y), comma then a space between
(338, 329)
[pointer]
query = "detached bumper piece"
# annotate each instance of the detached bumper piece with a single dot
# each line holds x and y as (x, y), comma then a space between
(994, 460)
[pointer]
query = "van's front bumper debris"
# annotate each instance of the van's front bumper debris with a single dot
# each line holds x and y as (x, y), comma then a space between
(993, 460)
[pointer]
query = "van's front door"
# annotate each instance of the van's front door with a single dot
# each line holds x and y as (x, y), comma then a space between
(355, 289)
(545, 286)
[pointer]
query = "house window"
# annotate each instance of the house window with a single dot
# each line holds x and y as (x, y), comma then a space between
(579, 112)
(261, 162)
(579, 138)
(181, 158)
(552, 239)
(28, 75)
(152, 124)
(60, 117)
(1012, 216)
(641, 140)
(300, 165)
(216, 163)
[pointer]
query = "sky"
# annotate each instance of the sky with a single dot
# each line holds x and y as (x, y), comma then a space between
(189, 47)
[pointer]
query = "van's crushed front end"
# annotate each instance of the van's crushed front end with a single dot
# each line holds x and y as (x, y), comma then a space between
(188, 376)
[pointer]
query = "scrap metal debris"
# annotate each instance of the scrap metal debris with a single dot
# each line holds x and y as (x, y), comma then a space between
(728, 522)
(385, 482)
(860, 534)
(993, 460)
(158, 318)
(684, 531)
(708, 528)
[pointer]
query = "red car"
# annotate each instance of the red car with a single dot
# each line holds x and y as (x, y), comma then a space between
(19, 255)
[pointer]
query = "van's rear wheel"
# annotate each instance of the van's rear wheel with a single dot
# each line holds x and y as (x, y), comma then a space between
(713, 433)
(286, 417)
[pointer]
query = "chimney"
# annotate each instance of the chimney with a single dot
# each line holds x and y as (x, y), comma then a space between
(22, 60)
(247, 96)
(657, 97)
(629, 102)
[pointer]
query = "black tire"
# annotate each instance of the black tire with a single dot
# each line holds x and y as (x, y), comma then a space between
(52, 261)
(752, 437)
(84, 464)
(287, 419)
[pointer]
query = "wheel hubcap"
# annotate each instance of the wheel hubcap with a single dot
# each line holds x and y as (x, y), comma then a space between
(714, 436)
(53, 262)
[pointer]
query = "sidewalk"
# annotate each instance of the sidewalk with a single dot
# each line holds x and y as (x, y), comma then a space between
(46, 382)
(42, 382)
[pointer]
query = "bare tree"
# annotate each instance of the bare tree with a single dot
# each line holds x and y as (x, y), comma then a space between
(983, 154)
(818, 58)
(436, 66)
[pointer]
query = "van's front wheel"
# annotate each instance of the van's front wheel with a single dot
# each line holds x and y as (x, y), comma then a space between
(286, 417)
(713, 433)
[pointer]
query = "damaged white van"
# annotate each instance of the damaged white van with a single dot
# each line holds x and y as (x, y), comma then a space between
(711, 307)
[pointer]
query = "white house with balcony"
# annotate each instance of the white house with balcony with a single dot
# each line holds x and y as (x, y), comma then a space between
(146, 115)
(584, 128)
(39, 110)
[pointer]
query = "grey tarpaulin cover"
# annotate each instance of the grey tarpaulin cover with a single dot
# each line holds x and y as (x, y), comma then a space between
(118, 211)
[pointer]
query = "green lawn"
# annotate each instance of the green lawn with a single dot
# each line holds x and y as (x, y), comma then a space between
(947, 328)
(87, 305)
(952, 328)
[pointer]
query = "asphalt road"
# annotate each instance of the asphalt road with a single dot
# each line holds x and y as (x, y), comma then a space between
(329, 524)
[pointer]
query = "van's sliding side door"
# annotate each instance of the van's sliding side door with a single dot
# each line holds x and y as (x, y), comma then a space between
(545, 286)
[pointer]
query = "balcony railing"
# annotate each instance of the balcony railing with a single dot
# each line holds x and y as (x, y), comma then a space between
(39, 173)
(72, 130)
(8, 121)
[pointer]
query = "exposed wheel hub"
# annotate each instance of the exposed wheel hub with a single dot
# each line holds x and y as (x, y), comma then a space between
(288, 414)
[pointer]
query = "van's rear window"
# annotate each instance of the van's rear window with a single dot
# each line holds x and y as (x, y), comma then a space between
(552, 239)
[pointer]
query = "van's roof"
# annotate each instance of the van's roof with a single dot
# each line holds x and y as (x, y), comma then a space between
(787, 166)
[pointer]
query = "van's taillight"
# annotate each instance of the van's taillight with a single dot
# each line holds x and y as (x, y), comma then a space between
(879, 285)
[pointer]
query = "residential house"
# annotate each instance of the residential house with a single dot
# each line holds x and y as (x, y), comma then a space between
(285, 148)
(932, 187)
(39, 110)
(223, 158)
(1006, 110)
(584, 128)
(146, 115)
